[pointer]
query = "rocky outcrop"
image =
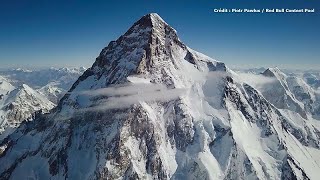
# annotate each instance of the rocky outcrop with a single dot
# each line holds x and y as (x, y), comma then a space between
(214, 127)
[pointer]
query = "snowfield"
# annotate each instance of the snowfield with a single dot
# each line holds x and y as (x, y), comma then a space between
(152, 108)
(19, 102)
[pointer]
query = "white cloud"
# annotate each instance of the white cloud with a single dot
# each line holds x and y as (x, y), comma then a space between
(258, 81)
(129, 94)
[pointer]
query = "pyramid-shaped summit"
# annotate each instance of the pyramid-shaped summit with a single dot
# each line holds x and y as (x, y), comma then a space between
(150, 29)
(150, 47)
(149, 20)
(152, 108)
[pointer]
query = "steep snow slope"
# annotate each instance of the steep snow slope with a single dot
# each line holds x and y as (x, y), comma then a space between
(5, 87)
(279, 93)
(182, 115)
(52, 91)
(286, 91)
(21, 104)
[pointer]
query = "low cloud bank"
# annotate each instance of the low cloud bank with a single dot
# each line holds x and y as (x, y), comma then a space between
(126, 95)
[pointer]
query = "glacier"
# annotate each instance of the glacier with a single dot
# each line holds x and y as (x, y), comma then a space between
(183, 115)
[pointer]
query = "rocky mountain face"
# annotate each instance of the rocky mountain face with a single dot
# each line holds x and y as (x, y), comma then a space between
(152, 108)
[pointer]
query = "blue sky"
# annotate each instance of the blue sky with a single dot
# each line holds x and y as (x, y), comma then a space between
(72, 33)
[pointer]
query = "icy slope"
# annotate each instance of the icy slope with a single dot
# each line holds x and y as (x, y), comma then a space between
(5, 88)
(152, 108)
(22, 104)
(279, 93)
(52, 91)
(286, 91)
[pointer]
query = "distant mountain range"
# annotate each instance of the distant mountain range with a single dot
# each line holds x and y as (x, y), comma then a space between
(24, 93)
(311, 77)
(151, 107)
(51, 82)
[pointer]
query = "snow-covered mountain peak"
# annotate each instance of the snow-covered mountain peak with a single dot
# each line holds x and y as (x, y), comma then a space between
(5, 86)
(152, 108)
(279, 94)
(155, 17)
(290, 92)
(24, 88)
(274, 72)
(22, 70)
(24, 96)
(20, 104)
(150, 48)
(152, 21)
(148, 30)
(278, 74)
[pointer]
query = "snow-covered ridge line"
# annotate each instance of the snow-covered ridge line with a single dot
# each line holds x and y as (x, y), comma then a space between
(220, 127)
(20, 104)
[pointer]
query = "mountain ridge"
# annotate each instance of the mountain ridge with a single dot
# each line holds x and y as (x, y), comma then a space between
(215, 127)
(21, 104)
